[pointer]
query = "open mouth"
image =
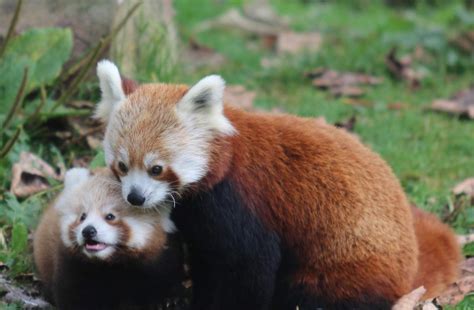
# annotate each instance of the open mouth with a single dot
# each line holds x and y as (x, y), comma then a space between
(94, 246)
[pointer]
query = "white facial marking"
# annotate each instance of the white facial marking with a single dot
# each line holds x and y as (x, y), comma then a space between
(66, 221)
(140, 230)
(123, 156)
(166, 223)
(154, 191)
(151, 159)
(106, 233)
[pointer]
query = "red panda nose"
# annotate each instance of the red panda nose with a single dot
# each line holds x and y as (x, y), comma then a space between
(135, 198)
(89, 232)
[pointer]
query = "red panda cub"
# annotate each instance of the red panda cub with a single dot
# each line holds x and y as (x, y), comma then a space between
(278, 211)
(93, 252)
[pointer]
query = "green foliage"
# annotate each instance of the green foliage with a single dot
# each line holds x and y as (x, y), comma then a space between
(98, 160)
(42, 51)
(468, 249)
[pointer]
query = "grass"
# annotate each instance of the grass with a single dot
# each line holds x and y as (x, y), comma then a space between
(429, 152)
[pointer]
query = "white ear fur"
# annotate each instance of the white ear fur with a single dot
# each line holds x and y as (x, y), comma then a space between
(75, 177)
(111, 89)
(203, 103)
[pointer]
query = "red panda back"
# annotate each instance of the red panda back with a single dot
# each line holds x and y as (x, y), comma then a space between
(439, 253)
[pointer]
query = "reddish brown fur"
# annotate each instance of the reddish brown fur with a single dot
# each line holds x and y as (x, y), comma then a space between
(336, 205)
(439, 254)
(45, 244)
(361, 226)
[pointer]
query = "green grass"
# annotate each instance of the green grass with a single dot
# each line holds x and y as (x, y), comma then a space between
(429, 152)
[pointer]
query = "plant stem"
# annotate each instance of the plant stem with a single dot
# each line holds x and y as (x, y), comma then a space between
(7, 147)
(43, 97)
(12, 27)
(92, 59)
(18, 100)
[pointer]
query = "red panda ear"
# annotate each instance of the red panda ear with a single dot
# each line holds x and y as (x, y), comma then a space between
(111, 88)
(129, 86)
(75, 177)
(203, 105)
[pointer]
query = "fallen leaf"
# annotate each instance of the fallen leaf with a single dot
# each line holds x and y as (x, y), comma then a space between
(88, 129)
(347, 91)
(290, 42)
(402, 69)
(81, 104)
(397, 106)
(357, 102)
(465, 239)
(261, 10)
(198, 55)
(466, 187)
(467, 266)
(239, 96)
(462, 104)
(341, 83)
(348, 124)
(409, 301)
(456, 291)
(464, 41)
(29, 175)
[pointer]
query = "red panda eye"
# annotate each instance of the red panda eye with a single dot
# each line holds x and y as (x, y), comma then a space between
(83, 217)
(123, 168)
(156, 170)
(110, 217)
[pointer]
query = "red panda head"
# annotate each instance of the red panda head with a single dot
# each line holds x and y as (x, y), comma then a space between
(158, 139)
(96, 222)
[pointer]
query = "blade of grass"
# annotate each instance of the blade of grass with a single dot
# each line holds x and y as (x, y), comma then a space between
(43, 97)
(18, 100)
(7, 147)
(12, 27)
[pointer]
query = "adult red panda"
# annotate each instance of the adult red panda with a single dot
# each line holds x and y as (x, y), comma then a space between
(93, 252)
(278, 211)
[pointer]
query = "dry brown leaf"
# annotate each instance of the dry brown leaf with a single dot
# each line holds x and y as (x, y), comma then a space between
(341, 83)
(397, 106)
(198, 55)
(348, 124)
(464, 41)
(467, 266)
(290, 42)
(465, 187)
(87, 128)
(29, 175)
(239, 96)
(456, 292)
(358, 102)
(462, 103)
(402, 69)
(409, 301)
(465, 239)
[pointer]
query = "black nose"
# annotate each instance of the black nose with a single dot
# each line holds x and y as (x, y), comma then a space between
(89, 232)
(135, 198)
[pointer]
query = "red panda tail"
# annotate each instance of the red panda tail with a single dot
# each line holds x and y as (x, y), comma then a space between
(439, 253)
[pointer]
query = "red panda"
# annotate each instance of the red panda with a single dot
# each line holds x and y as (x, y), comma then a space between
(92, 252)
(439, 254)
(278, 211)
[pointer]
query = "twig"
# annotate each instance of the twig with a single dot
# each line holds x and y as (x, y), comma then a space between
(12, 27)
(7, 147)
(18, 100)
(92, 59)
(75, 84)
(46, 191)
